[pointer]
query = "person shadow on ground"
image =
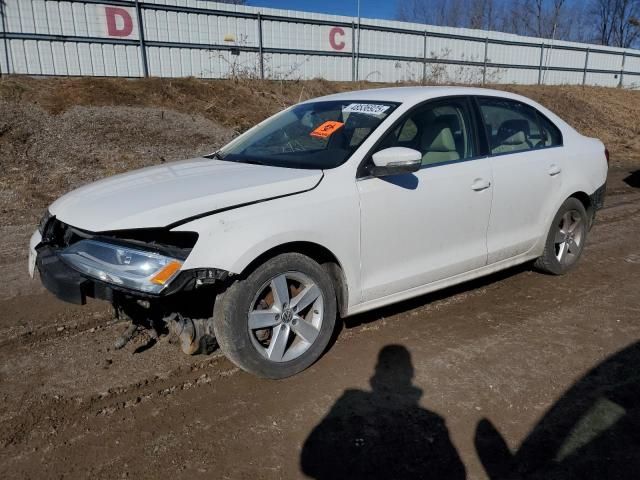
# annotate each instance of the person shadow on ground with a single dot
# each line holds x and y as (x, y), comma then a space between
(591, 433)
(383, 433)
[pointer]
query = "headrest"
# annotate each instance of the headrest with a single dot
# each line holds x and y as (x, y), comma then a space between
(452, 120)
(517, 138)
(509, 127)
(438, 137)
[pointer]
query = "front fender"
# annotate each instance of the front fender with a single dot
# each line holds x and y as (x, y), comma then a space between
(231, 240)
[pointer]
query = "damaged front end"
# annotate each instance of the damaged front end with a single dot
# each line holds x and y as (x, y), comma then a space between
(138, 271)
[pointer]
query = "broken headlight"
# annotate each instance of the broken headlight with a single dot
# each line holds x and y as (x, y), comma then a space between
(43, 222)
(123, 266)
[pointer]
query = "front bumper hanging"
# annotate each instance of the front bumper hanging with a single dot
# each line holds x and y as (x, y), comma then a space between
(61, 280)
(71, 286)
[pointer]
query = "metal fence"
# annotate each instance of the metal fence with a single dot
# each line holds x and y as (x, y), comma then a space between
(177, 38)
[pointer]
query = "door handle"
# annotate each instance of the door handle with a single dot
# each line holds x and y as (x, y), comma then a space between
(554, 170)
(480, 184)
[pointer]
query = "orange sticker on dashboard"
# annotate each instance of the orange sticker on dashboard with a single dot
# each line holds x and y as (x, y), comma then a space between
(327, 129)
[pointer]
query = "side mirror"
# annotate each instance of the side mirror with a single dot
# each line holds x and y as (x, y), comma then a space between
(395, 161)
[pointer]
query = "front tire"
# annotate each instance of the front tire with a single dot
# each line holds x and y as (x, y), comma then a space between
(278, 320)
(566, 238)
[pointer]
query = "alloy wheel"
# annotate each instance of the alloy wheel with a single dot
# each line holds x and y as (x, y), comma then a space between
(285, 316)
(569, 237)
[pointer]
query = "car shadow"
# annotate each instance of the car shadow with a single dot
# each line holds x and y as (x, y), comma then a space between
(382, 433)
(633, 180)
(592, 432)
(416, 302)
(408, 181)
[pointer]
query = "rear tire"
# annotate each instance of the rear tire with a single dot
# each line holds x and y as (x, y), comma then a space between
(566, 238)
(278, 320)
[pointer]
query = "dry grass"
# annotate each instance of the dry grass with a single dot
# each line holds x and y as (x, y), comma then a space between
(237, 104)
(58, 133)
(608, 113)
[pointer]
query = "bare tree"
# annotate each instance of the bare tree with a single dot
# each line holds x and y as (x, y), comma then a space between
(512, 20)
(450, 13)
(539, 18)
(482, 14)
(415, 11)
(625, 32)
(541, 27)
(543, 18)
(615, 22)
(561, 19)
(603, 13)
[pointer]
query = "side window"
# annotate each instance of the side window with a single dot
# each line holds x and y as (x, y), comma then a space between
(551, 136)
(441, 131)
(511, 126)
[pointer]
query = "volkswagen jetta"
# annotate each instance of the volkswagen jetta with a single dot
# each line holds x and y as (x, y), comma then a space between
(332, 207)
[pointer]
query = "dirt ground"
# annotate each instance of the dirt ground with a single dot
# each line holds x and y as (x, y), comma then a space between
(478, 381)
(502, 350)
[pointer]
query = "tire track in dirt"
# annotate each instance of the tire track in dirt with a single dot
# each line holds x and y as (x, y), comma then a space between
(78, 345)
(522, 305)
(45, 414)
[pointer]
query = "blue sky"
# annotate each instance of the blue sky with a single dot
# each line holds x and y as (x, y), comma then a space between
(368, 8)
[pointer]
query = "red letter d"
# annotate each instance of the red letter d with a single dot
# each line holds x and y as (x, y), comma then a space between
(115, 30)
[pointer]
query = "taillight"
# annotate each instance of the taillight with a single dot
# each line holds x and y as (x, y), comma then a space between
(606, 154)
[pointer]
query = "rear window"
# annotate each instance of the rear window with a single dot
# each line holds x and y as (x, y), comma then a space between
(513, 126)
(551, 135)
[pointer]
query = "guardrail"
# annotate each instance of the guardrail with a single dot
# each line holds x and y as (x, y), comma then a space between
(261, 49)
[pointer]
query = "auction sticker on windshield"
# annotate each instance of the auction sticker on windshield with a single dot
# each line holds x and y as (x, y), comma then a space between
(327, 129)
(368, 108)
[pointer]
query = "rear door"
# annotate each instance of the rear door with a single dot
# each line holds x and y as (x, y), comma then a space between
(430, 225)
(527, 173)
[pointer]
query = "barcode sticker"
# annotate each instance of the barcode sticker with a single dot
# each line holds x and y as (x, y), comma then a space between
(368, 108)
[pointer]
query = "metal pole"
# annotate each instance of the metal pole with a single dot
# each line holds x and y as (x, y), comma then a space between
(4, 37)
(353, 51)
(424, 59)
(3, 22)
(541, 60)
(484, 68)
(549, 56)
(143, 48)
(260, 56)
(624, 57)
(586, 65)
(358, 48)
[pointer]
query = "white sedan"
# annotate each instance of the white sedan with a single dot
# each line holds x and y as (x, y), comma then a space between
(333, 207)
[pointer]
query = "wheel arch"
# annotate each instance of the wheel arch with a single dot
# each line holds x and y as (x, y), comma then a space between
(317, 252)
(585, 199)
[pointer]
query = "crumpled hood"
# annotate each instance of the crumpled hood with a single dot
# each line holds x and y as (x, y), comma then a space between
(165, 194)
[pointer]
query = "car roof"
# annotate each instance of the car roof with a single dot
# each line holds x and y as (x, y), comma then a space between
(417, 94)
(410, 96)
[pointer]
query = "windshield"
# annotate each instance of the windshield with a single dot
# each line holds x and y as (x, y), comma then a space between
(317, 135)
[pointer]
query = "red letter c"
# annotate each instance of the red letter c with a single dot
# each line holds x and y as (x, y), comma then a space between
(335, 31)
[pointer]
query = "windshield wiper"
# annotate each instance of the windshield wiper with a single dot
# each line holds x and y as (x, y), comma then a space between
(215, 155)
(254, 162)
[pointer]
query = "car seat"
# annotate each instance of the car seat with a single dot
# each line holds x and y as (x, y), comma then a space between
(512, 136)
(437, 143)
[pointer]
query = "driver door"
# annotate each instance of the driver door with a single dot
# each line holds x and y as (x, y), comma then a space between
(432, 224)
